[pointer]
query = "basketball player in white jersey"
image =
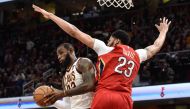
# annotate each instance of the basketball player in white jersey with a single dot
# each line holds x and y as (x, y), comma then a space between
(79, 80)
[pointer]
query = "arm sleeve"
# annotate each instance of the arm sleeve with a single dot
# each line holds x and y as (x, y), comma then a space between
(142, 54)
(62, 104)
(100, 47)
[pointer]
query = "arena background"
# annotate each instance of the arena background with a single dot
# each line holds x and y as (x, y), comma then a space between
(28, 43)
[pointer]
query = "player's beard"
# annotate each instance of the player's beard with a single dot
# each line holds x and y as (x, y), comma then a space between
(67, 61)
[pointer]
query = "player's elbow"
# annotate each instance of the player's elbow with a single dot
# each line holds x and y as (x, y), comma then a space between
(152, 53)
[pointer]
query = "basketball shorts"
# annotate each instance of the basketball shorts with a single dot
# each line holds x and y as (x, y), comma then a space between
(107, 99)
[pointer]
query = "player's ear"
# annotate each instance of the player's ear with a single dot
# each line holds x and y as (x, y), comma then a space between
(71, 50)
(117, 41)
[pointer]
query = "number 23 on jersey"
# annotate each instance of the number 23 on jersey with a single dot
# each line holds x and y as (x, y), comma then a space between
(122, 63)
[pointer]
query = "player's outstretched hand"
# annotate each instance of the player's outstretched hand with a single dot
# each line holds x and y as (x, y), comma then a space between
(164, 25)
(42, 11)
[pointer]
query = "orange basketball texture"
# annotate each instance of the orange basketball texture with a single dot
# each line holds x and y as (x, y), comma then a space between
(40, 93)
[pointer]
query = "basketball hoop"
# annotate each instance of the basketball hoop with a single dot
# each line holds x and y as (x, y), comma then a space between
(117, 3)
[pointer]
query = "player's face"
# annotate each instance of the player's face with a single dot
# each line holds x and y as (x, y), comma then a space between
(112, 42)
(63, 55)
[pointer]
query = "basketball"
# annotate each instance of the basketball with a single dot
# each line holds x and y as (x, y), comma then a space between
(40, 93)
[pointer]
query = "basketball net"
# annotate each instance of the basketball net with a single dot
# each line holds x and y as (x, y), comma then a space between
(117, 3)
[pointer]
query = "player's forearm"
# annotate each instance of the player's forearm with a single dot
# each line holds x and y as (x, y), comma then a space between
(73, 31)
(81, 89)
(155, 48)
(160, 41)
(67, 27)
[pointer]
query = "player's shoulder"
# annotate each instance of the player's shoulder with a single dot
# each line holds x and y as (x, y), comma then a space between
(83, 64)
(83, 60)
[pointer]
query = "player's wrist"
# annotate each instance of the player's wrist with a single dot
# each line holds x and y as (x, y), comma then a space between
(163, 31)
(163, 34)
(64, 93)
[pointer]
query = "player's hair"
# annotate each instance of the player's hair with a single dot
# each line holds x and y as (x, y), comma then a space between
(68, 46)
(122, 36)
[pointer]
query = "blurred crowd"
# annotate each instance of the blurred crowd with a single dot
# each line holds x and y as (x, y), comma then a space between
(25, 54)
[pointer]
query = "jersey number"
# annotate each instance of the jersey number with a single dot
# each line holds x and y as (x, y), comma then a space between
(72, 85)
(124, 61)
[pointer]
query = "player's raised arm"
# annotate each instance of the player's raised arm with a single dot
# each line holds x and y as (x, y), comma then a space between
(163, 29)
(67, 27)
